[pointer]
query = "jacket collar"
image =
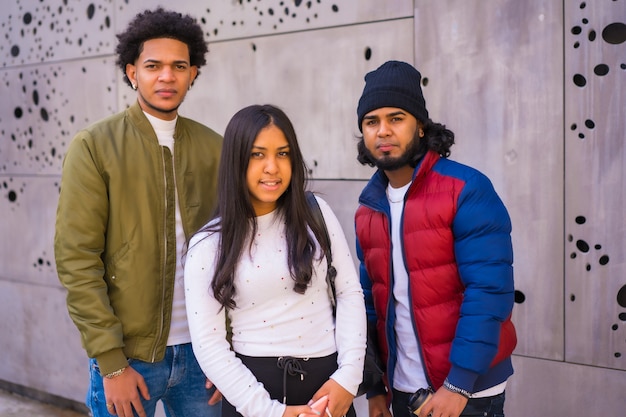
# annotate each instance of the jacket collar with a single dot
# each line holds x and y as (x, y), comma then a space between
(374, 193)
(139, 119)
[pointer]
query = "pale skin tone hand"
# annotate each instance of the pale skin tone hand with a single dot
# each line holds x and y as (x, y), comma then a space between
(296, 410)
(339, 400)
(122, 393)
(378, 406)
(444, 403)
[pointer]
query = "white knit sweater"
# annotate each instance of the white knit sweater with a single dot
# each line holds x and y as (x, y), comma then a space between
(270, 318)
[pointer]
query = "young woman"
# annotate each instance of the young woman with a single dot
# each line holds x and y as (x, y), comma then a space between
(260, 263)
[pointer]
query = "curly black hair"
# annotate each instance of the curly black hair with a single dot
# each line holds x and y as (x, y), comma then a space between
(160, 23)
(436, 138)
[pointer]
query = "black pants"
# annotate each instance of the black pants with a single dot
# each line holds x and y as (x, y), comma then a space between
(485, 407)
(295, 379)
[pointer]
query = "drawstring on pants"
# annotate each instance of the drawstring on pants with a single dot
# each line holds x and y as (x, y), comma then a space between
(291, 366)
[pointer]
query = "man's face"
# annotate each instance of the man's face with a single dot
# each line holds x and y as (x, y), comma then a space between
(389, 135)
(163, 75)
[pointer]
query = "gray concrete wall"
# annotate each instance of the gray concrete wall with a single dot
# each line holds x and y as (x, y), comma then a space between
(534, 91)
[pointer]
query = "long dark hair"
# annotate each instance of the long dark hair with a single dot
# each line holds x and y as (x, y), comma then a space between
(235, 218)
(436, 138)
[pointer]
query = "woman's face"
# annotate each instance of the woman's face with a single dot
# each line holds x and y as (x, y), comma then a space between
(269, 170)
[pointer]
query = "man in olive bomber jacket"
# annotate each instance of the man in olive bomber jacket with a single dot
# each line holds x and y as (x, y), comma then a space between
(135, 186)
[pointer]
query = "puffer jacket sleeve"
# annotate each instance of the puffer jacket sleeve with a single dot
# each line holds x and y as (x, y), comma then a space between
(82, 216)
(484, 254)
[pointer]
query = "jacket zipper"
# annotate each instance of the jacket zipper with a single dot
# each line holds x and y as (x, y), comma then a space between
(389, 292)
(164, 266)
(389, 302)
(413, 321)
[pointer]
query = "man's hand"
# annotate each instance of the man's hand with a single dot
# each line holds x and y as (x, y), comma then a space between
(217, 395)
(122, 393)
(378, 406)
(444, 403)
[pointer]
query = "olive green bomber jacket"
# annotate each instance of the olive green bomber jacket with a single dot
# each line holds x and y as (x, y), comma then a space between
(115, 237)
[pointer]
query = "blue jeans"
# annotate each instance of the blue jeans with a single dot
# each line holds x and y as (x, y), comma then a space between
(485, 407)
(177, 381)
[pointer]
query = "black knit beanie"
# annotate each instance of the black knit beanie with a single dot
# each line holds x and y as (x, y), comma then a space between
(393, 84)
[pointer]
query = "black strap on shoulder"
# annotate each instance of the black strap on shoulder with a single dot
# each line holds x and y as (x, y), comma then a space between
(332, 272)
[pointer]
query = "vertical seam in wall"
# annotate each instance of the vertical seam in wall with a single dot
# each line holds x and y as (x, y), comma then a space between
(564, 161)
(414, 51)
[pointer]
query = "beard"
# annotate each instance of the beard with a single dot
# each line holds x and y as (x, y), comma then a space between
(391, 163)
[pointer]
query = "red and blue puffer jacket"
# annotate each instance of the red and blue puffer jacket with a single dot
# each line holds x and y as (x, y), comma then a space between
(458, 254)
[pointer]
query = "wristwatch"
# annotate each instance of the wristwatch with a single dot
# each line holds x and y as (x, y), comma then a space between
(447, 385)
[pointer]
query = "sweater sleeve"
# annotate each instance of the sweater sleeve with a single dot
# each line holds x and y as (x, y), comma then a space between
(484, 254)
(207, 327)
(351, 329)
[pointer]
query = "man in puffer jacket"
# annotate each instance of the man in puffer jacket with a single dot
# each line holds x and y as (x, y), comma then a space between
(434, 241)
